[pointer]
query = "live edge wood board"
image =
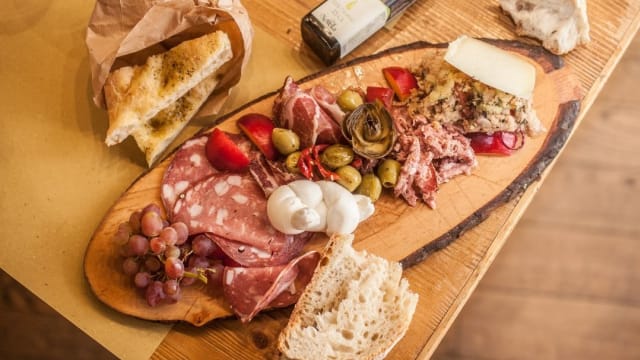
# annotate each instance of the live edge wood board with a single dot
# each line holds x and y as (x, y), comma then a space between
(396, 231)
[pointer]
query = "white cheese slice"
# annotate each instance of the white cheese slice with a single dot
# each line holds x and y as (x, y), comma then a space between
(492, 66)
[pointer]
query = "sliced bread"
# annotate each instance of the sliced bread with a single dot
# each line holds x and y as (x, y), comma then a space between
(135, 95)
(357, 306)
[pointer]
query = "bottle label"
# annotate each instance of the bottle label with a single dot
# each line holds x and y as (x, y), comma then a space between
(351, 22)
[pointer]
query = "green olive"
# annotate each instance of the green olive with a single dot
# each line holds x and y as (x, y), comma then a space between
(291, 162)
(370, 186)
(388, 172)
(349, 100)
(337, 155)
(350, 177)
(285, 140)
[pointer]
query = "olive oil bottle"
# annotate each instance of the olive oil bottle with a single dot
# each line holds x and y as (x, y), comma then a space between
(336, 27)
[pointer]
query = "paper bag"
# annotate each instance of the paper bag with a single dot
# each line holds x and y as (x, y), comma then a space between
(126, 32)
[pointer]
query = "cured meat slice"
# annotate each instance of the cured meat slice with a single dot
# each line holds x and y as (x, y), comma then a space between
(279, 252)
(189, 166)
(431, 155)
(251, 290)
(295, 109)
(270, 174)
(229, 205)
(328, 102)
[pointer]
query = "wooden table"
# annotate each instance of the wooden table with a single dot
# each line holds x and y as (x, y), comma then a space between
(56, 194)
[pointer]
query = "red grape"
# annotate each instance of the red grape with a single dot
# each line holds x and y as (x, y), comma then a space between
(134, 221)
(152, 263)
(153, 207)
(130, 266)
(151, 223)
(169, 236)
(122, 234)
(202, 246)
(172, 251)
(138, 245)
(182, 231)
(142, 279)
(171, 287)
(155, 293)
(157, 246)
(173, 268)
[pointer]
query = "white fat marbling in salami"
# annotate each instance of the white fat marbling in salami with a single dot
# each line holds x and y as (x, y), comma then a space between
(251, 290)
(190, 166)
(229, 205)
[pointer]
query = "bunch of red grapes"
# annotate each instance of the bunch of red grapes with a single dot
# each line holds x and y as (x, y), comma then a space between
(161, 257)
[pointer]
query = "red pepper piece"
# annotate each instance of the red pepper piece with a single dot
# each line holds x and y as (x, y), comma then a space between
(383, 94)
(224, 154)
(310, 159)
(498, 143)
(305, 163)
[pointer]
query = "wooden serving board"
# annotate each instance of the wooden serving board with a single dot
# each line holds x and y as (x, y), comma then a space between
(396, 231)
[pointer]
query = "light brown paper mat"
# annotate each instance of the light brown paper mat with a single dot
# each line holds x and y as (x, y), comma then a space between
(57, 178)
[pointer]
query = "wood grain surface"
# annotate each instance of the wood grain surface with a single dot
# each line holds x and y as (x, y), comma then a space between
(613, 24)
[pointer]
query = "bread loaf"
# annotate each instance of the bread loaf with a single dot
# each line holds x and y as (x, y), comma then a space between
(357, 306)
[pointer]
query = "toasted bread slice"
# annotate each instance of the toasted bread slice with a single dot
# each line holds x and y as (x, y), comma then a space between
(561, 25)
(160, 82)
(357, 306)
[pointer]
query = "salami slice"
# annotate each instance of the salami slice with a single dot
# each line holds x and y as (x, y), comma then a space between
(190, 166)
(229, 205)
(278, 253)
(251, 290)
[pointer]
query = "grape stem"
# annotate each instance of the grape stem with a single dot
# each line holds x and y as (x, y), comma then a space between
(198, 274)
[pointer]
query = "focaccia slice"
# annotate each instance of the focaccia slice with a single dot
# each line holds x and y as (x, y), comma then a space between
(160, 82)
(156, 134)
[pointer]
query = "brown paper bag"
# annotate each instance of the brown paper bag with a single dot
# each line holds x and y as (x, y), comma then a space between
(126, 32)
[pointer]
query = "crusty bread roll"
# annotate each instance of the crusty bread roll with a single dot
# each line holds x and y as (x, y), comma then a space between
(357, 306)
(561, 25)
(153, 102)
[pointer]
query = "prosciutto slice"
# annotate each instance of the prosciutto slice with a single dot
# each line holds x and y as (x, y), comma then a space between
(251, 290)
(297, 110)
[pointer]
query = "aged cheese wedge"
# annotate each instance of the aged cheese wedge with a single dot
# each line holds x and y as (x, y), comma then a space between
(492, 66)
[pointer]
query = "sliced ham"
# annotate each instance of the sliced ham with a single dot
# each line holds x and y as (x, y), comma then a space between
(251, 290)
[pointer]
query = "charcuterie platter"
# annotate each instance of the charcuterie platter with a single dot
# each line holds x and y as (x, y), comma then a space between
(397, 231)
